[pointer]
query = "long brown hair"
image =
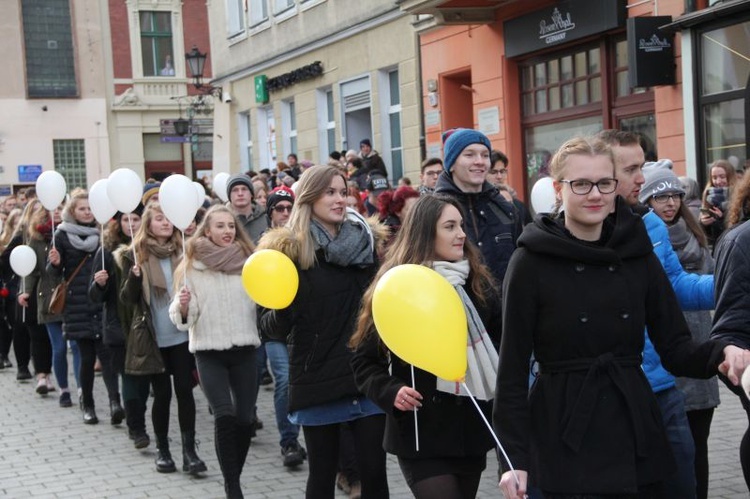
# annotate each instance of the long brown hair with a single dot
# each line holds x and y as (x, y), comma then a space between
(415, 244)
(731, 179)
(139, 244)
(739, 204)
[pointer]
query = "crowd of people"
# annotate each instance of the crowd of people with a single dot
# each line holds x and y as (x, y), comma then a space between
(584, 318)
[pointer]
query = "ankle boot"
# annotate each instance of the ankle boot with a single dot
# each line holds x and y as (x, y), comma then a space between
(190, 460)
(164, 462)
(225, 428)
(116, 412)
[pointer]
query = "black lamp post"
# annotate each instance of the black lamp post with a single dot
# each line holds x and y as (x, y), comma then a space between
(196, 62)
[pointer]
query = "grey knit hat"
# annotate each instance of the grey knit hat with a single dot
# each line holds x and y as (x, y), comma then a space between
(237, 179)
(660, 179)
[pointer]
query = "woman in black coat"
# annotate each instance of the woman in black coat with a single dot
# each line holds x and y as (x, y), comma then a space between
(578, 293)
(76, 242)
(334, 252)
(453, 440)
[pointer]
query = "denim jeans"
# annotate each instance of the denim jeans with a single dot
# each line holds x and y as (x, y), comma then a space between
(278, 357)
(681, 485)
(60, 355)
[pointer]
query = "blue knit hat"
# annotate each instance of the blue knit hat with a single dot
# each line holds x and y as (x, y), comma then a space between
(456, 140)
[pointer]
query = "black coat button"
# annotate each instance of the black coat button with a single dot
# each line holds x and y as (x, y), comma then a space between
(583, 317)
(612, 268)
(624, 314)
(579, 267)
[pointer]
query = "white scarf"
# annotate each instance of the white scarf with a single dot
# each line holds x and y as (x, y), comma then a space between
(481, 373)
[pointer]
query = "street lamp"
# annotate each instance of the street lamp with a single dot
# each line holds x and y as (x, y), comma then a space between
(196, 62)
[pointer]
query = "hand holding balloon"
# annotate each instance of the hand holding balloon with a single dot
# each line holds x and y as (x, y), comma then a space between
(184, 301)
(101, 277)
(23, 299)
(407, 399)
(54, 257)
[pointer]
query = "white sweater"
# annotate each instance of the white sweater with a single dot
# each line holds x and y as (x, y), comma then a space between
(220, 315)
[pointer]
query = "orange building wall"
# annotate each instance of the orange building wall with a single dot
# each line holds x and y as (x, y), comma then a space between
(480, 51)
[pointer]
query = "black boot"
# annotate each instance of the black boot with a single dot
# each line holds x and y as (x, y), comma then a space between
(135, 418)
(244, 437)
(190, 460)
(89, 416)
(116, 412)
(225, 428)
(164, 462)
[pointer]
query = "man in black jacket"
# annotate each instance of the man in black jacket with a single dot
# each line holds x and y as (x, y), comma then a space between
(490, 222)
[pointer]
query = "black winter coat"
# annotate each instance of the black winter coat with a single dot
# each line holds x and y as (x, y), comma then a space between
(490, 222)
(590, 424)
(319, 323)
(113, 333)
(449, 426)
(731, 278)
(82, 318)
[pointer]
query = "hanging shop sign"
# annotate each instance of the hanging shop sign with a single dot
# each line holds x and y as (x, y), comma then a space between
(293, 77)
(561, 23)
(650, 52)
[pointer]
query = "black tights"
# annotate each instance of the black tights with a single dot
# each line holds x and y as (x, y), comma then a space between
(323, 452)
(90, 350)
(462, 486)
(178, 362)
(700, 427)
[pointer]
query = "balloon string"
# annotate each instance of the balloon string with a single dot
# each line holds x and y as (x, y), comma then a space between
(416, 427)
(489, 427)
(23, 309)
(135, 253)
(52, 218)
(102, 244)
(183, 256)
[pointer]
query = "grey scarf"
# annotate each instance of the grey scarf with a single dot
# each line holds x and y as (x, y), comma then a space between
(351, 246)
(482, 358)
(693, 257)
(82, 237)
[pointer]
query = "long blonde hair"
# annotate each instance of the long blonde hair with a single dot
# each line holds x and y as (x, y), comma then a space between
(10, 226)
(139, 245)
(33, 215)
(312, 185)
(241, 238)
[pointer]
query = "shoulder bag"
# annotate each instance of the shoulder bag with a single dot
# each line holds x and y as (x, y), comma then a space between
(57, 300)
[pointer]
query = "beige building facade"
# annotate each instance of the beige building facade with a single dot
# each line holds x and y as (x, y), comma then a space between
(53, 101)
(310, 77)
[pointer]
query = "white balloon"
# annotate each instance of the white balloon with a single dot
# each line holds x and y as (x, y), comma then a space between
(200, 192)
(51, 189)
(23, 260)
(220, 186)
(101, 206)
(177, 200)
(543, 196)
(125, 189)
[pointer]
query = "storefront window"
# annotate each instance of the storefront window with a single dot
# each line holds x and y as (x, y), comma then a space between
(725, 67)
(542, 141)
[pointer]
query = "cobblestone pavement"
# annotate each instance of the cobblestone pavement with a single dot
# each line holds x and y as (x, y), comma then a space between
(47, 452)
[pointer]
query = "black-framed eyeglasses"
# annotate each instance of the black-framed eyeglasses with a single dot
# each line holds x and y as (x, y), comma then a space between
(663, 198)
(583, 187)
(499, 171)
(282, 209)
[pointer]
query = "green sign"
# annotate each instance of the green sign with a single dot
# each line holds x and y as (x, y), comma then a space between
(261, 89)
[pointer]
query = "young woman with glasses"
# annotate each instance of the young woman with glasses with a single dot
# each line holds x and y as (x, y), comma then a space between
(664, 193)
(579, 291)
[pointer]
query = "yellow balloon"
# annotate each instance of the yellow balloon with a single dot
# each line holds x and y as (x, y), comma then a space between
(270, 278)
(421, 318)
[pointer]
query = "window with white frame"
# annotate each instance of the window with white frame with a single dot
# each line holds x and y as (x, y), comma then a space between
(258, 11)
(246, 142)
(289, 120)
(70, 161)
(282, 5)
(326, 123)
(157, 53)
(394, 122)
(235, 17)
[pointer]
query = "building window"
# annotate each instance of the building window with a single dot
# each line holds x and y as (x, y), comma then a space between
(156, 43)
(258, 11)
(326, 123)
(246, 142)
(394, 122)
(724, 72)
(330, 123)
(289, 121)
(70, 161)
(48, 47)
(282, 5)
(235, 17)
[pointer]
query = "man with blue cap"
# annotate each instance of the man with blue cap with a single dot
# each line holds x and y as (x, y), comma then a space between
(490, 222)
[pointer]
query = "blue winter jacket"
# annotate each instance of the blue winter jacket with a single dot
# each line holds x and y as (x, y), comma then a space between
(694, 292)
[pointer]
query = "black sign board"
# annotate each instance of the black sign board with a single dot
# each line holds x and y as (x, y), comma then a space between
(650, 52)
(561, 23)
